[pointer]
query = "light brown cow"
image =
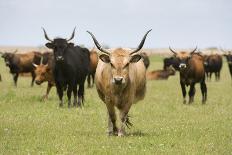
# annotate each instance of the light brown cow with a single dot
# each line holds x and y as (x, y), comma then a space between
(120, 82)
(161, 74)
(93, 66)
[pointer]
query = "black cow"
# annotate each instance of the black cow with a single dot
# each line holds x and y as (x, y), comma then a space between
(71, 66)
(229, 61)
(21, 63)
(171, 61)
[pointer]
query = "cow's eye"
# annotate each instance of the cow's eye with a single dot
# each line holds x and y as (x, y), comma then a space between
(112, 65)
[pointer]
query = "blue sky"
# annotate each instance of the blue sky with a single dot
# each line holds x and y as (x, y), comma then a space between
(180, 23)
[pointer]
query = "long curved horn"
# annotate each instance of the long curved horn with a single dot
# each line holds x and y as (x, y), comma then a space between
(97, 44)
(72, 36)
(45, 35)
(141, 43)
(172, 50)
(41, 60)
(193, 50)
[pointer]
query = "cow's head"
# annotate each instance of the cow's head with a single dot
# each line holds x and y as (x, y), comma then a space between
(182, 57)
(228, 55)
(8, 57)
(119, 60)
(59, 45)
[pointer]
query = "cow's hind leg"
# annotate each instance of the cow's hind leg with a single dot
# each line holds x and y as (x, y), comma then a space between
(33, 78)
(192, 91)
(15, 77)
(89, 80)
(81, 95)
(75, 96)
(112, 129)
(183, 91)
(203, 91)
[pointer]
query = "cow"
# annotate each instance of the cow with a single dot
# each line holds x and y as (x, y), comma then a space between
(146, 60)
(71, 66)
(20, 63)
(120, 82)
(160, 74)
(43, 72)
(170, 61)
(93, 66)
(228, 56)
(213, 64)
(191, 68)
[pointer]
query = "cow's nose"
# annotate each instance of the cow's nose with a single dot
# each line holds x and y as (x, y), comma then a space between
(59, 58)
(118, 80)
(182, 65)
(37, 82)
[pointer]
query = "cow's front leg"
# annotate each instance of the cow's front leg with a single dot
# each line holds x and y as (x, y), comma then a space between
(112, 129)
(15, 77)
(60, 94)
(192, 93)
(69, 94)
(124, 120)
(183, 91)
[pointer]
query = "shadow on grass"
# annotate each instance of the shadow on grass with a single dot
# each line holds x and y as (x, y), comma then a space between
(136, 134)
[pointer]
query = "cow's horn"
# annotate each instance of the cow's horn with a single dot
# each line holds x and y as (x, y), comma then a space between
(193, 50)
(72, 36)
(172, 50)
(141, 43)
(41, 60)
(45, 35)
(97, 44)
(35, 65)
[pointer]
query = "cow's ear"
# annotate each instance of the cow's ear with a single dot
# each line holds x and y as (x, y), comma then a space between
(105, 58)
(135, 58)
(70, 44)
(49, 45)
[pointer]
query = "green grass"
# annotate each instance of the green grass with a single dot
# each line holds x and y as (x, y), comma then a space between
(162, 124)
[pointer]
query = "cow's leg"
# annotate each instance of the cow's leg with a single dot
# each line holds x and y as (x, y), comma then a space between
(203, 91)
(81, 95)
(112, 129)
(69, 94)
(15, 77)
(183, 91)
(89, 80)
(124, 120)
(75, 96)
(47, 92)
(60, 94)
(191, 92)
(33, 78)
(93, 76)
(210, 75)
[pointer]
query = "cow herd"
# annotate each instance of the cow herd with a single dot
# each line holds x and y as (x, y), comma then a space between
(119, 74)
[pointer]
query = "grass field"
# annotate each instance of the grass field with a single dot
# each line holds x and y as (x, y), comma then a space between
(162, 124)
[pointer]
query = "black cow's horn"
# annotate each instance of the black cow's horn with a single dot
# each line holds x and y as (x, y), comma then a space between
(45, 35)
(172, 50)
(97, 44)
(193, 50)
(141, 43)
(72, 36)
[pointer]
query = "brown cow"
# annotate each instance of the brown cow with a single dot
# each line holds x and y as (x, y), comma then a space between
(161, 74)
(44, 72)
(93, 66)
(20, 63)
(120, 82)
(192, 71)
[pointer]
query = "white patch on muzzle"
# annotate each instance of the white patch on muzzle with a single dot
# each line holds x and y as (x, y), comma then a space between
(182, 65)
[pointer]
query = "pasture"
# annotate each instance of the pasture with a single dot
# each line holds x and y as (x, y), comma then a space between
(162, 124)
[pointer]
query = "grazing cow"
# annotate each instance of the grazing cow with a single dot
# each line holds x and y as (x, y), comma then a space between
(191, 68)
(93, 66)
(43, 72)
(21, 63)
(170, 61)
(213, 64)
(228, 56)
(120, 82)
(71, 66)
(161, 74)
(146, 60)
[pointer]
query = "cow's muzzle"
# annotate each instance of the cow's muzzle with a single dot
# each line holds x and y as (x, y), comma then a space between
(118, 80)
(38, 82)
(59, 58)
(182, 66)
